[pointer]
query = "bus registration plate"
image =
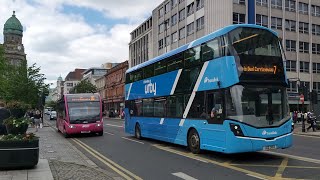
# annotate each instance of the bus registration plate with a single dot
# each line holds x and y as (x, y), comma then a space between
(85, 131)
(267, 148)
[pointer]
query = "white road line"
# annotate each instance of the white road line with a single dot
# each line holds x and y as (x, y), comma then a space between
(256, 176)
(113, 125)
(132, 140)
(184, 176)
(109, 133)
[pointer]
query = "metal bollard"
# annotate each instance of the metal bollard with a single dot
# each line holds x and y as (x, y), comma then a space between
(303, 125)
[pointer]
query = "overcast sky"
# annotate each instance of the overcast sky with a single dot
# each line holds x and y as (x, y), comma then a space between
(61, 35)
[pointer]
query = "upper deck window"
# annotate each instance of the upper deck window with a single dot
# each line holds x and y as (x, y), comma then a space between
(254, 41)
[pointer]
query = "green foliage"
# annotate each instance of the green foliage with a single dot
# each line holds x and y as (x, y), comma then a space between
(19, 137)
(21, 83)
(16, 122)
(84, 87)
(52, 104)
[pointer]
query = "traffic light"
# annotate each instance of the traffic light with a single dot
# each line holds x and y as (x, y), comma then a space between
(314, 97)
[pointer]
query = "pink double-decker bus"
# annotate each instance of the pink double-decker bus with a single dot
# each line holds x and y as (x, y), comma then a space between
(80, 114)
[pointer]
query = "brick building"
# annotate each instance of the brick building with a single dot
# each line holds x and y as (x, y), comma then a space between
(115, 79)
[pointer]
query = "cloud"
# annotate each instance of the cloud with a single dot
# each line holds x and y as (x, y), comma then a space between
(60, 42)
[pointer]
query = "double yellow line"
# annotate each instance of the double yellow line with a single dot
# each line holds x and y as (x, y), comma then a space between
(114, 166)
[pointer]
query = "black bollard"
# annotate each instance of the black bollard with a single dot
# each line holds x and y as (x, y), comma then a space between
(303, 125)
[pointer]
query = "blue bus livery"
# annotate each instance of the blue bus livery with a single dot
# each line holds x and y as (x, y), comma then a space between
(224, 92)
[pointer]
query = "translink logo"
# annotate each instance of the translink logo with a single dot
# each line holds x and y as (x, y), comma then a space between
(207, 80)
(149, 87)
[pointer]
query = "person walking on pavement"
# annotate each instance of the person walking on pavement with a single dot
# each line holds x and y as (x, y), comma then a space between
(37, 117)
(299, 116)
(312, 122)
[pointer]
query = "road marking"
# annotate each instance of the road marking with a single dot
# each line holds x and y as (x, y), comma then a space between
(132, 140)
(226, 165)
(113, 125)
(309, 136)
(184, 176)
(256, 176)
(317, 161)
(266, 165)
(114, 166)
(109, 133)
(281, 168)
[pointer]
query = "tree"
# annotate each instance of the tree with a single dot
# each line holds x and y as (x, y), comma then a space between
(22, 84)
(84, 87)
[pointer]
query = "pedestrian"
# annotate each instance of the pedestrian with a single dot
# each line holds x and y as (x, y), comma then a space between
(299, 117)
(312, 122)
(4, 114)
(37, 117)
(295, 116)
(305, 117)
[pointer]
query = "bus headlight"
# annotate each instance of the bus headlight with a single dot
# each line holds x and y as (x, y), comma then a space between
(72, 126)
(98, 125)
(235, 128)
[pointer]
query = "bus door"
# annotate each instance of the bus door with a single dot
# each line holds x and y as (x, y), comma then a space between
(213, 132)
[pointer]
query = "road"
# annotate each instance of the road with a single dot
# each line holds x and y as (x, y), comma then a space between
(150, 159)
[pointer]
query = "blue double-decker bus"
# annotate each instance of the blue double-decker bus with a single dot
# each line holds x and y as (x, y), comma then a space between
(223, 92)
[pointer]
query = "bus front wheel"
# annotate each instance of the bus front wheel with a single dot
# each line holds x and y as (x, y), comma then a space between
(65, 134)
(137, 132)
(194, 141)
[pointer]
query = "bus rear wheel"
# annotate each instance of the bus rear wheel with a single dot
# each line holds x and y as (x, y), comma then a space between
(137, 132)
(194, 141)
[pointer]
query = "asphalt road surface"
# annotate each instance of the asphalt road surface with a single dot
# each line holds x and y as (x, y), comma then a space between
(151, 159)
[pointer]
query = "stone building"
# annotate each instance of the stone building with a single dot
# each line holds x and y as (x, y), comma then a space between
(115, 81)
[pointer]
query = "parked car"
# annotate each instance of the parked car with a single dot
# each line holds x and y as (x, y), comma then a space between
(53, 115)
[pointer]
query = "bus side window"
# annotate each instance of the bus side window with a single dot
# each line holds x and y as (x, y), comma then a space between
(215, 106)
(210, 50)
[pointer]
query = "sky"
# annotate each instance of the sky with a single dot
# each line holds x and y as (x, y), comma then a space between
(61, 35)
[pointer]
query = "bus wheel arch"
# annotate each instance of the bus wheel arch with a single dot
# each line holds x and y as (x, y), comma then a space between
(137, 131)
(65, 134)
(193, 140)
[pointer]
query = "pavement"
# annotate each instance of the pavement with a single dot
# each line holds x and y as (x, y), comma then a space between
(59, 160)
(298, 130)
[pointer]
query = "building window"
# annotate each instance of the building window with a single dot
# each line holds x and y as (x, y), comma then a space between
(182, 33)
(70, 84)
(290, 5)
(262, 3)
(292, 86)
(315, 48)
(199, 4)
(303, 8)
(167, 7)
(316, 86)
(315, 10)
(239, 18)
(291, 65)
(160, 43)
(174, 37)
(304, 27)
(290, 45)
(316, 68)
(182, 14)
(276, 4)
(161, 12)
(276, 23)
(190, 28)
(174, 3)
(303, 47)
(290, 25)
(161, 28)
(174, 19)
(315, 29)
(304, 67)
(239, 2)
(200, 23)
(190, 9)
(262, 20)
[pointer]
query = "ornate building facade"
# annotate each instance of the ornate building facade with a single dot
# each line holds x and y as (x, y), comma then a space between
(13, 46)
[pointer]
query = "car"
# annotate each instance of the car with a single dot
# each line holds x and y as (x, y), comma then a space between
(53, 115)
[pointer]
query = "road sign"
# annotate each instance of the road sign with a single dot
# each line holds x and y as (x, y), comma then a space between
(302, 98)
